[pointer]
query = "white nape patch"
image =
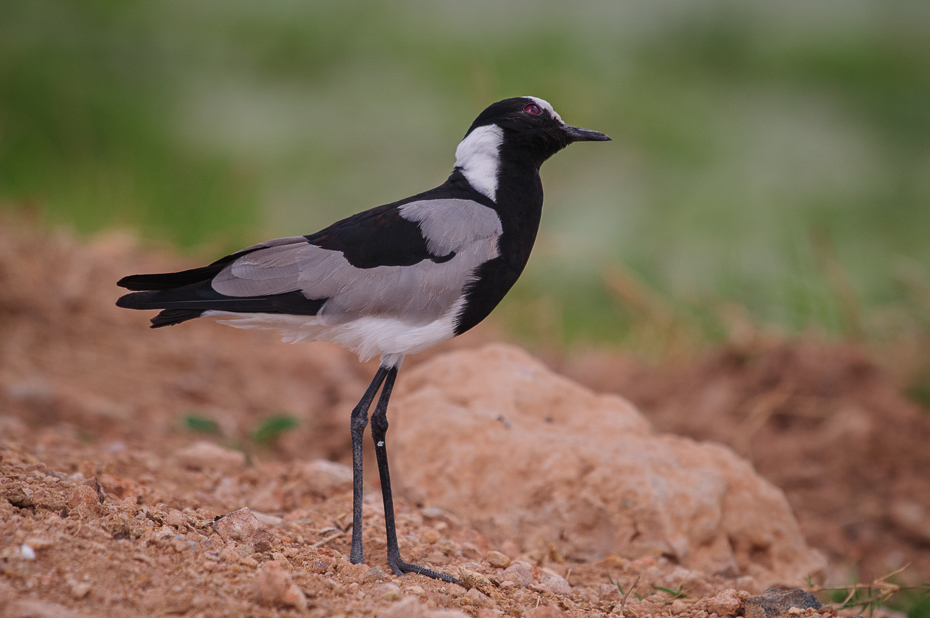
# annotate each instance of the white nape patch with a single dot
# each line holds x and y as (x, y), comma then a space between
(388, 337)
(478, 156)
(545, 105)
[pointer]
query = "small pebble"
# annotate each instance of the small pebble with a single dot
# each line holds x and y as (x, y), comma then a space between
(203, 455)
(556, 584)
(388, 592)
(432, 512)
(724, 603)
(407, 608)
(243, 527)
(83, 498)
(520, 573)
(498, 560)
(229, 554)
(266, 519)
(176, 519)
(354, 572)
(27, 552)
(374, 574)
(474, 580)
(476, 598)
(279, 557)
(273, 586)
(430, 536)
(38, 544)
(79, 590)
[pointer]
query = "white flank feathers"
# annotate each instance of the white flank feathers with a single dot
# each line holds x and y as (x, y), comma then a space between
(388, 337)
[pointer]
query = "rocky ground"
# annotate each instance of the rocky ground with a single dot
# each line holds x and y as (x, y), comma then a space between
(112, 505)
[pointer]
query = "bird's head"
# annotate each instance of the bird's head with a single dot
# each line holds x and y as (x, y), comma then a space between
(530, 123)
(524, 131)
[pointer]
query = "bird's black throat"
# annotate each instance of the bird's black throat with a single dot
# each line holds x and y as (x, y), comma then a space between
(519, 206)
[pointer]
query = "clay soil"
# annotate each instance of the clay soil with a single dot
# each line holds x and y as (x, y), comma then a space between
(87, 391)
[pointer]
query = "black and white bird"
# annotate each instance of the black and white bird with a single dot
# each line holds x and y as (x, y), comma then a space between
(393, 280)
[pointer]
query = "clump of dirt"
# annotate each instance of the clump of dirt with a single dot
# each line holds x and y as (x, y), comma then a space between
(88, 392)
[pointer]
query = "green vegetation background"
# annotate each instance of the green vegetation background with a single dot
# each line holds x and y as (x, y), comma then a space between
(772, 156)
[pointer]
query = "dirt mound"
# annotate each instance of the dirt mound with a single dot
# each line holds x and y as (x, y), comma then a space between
(821, 421)
(534, 458)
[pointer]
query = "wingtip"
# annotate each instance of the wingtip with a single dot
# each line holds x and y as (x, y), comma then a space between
(131, 301)
(170, 317)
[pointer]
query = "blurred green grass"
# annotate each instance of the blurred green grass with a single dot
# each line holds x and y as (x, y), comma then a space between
(743, 133)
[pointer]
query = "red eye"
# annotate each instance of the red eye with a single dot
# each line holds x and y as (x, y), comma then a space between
(532, 108)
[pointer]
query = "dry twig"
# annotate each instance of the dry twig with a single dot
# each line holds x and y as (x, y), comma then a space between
(878, 591)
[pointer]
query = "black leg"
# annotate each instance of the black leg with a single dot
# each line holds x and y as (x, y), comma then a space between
(358, 423)
(379, 425)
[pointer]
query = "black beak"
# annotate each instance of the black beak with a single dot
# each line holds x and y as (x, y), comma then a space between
(577, 134)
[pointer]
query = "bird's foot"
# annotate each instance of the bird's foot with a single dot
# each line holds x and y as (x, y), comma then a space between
(400, 568)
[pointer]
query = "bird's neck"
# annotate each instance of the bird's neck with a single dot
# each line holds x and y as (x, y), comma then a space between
(478, 159)
(507, 173)
(519, 205)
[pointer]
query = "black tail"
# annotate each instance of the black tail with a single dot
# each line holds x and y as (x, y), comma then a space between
(186, 302)
(168, 290)
(179, 304)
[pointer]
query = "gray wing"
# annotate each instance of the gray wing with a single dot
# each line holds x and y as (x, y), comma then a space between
(419, 293)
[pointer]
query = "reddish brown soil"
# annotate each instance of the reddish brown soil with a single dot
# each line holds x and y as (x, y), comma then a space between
(818, 419)
(86, 390)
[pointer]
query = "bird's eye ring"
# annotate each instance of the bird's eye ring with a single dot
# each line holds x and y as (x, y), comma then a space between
(532, 108)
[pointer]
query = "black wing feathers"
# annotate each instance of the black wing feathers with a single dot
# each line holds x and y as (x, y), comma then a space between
(170, 317)
(377, 237)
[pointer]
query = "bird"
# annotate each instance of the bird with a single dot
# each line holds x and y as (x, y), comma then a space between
(390, 281)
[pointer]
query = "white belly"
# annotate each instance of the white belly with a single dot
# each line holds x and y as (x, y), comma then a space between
(370, 336)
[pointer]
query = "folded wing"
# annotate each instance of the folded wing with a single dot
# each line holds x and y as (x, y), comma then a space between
(410, 262)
